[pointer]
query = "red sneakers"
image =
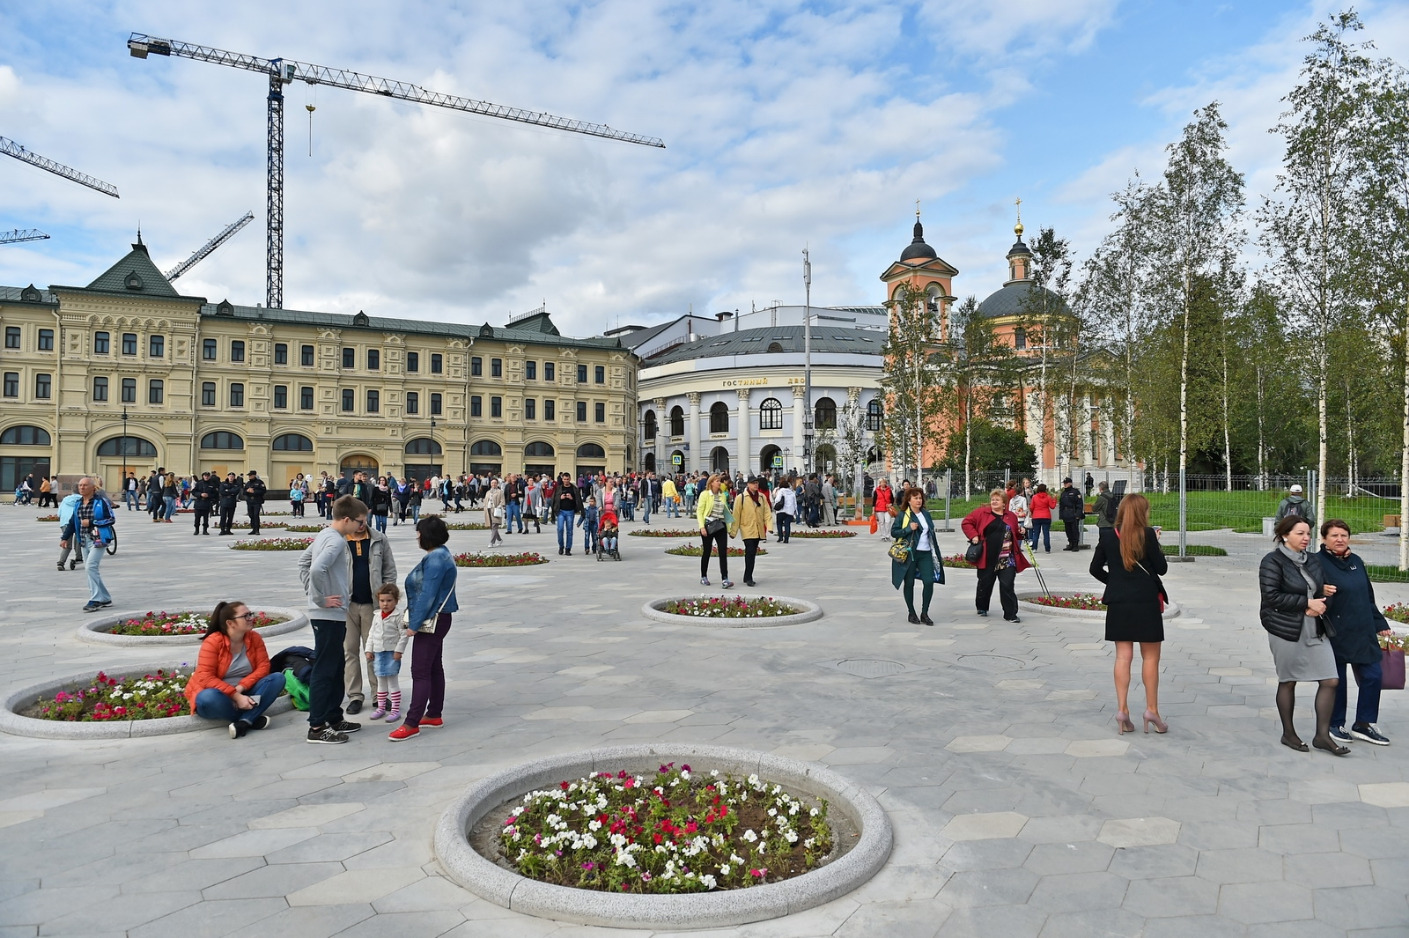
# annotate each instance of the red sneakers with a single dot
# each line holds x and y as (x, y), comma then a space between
(403, 732)
(432, 721)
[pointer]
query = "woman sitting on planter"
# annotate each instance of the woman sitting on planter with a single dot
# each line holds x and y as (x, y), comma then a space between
(232, 682)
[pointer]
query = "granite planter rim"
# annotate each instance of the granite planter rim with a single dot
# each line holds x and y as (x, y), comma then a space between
(94, 631)
(13, 723)
(464, 865)
(810, 612)
(1171, 610)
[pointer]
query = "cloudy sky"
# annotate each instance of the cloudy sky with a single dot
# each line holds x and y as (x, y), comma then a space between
(788, 124)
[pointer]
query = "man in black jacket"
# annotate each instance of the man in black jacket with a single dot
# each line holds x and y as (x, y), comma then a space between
(1072, 509)
(206, 493)
(254, 499)
(229, 498)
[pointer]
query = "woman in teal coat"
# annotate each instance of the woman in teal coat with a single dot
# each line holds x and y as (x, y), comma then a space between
(914, 524)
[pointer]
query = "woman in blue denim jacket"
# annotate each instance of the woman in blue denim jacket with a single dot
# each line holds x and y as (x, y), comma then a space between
(430, 593)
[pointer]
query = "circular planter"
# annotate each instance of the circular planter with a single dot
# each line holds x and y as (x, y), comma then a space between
(810, 611)
(95, 631)
(683, 551)
(507, 888)
(1026, 605)
(11, 722)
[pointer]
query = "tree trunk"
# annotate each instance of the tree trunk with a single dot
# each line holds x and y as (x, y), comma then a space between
(1227, 430)
(1184, 407)
(1404, 456)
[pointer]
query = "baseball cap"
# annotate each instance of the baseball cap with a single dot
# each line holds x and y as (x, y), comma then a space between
(1296, 490)
(1066, 480)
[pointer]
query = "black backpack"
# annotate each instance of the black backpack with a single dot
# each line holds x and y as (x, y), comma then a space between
(297, 657)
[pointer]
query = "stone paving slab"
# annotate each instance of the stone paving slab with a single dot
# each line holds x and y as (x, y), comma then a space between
(1017, 809)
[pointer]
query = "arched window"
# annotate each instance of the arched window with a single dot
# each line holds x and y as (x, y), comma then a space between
(1020, 338)
(873, 416)
(825, 414)
(135, 446)
(770, 415)
(648, 425)
(719, 459)
(25, 436)
(293, 442)
(538, 449)
(677, 421)
(222, 439)
(423, 446)
(719, 418)
(485, 448)
(775, 347)
(591, 451)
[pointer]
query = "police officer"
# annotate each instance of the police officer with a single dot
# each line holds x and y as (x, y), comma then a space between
(254, 499)
(229, 497)
(206, 493)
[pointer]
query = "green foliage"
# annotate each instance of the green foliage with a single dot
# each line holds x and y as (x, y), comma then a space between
(990, 447)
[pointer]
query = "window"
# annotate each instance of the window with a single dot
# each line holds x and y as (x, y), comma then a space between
(237, 351)
(25, 436)
(677, 421)
(530, 409)
(485, 448)
(129, 390)
(496, 406)
(374, 359)
(435, 405)
(530, 371)
(825, 414)
(46, 340)
(281, 396)
(102, 343)
(374, 401)
(349, 400)
(1020, 339)
(550, 410)
(496, 367)
(599, 374)
(12, 337)
(305, 356)
(770, 415)
(134, 446)
(476, 406)
(349, 358)
(591, 451)
(413, 361)
(222, 440)
(599, 413)
(421, 446)
(208, 394)
(873, 416)
(281, 353)
(43, 386)
(476, 366)
(208, 347)
(413, 402)
(156, 391)
(538, 450)
(548, 370)
(648, 425)
(719, 417)
(305, 398)
(293, 442)
(12, 384)
(129, 343)
(156, 346)
(100, 389)
(582, 410)
(581, 374)
(437, 363)
(237, 394)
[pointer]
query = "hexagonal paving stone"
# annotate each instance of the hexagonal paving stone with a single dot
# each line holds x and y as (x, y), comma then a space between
(978, 743)
(991, 826)
(1097, 748)
(1139, 832)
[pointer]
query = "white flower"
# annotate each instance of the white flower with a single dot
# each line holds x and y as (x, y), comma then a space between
(735, 858)
(772, 812)
(709, 881)
(724, 870)
(618, 840)
(625, 859)
(594, 825)
(750, 836)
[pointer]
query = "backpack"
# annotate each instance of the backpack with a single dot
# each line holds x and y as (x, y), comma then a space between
(297, 690)
(1112, 504)
(296, 659)
(1294, 508)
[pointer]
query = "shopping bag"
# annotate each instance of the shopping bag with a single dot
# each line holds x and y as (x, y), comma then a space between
(1392, 669)
(297, 690)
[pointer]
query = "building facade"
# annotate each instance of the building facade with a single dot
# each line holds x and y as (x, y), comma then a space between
(128, 373)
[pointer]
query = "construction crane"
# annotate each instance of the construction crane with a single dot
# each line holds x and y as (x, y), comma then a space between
(204, 251)
(22, 234)
(11, 148)
(282, 72)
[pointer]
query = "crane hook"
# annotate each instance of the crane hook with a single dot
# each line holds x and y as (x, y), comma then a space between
(311, 109)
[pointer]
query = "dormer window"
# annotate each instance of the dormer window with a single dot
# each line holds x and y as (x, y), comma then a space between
(225, 308)
(133, 281)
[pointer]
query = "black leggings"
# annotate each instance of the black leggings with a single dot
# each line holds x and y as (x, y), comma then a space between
(720, 540)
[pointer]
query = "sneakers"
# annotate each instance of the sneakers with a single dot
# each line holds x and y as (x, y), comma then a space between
(704, 581)
(261, 722)
(1339, 734)
(378, 713)
(1366, 732)
(325, 734)
(403, 732)
(393, 715)
(238, 729)
(92, 607)
(728, 584)
(432, 721)
(344, 726)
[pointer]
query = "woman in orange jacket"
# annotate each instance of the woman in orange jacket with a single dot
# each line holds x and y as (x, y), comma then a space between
(232, 682)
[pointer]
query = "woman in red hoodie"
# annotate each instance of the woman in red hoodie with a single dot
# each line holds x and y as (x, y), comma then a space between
(1040, 508)
(883, 499)
(232, 682)
(997, 529)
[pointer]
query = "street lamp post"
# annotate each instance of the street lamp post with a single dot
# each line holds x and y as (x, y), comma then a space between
(123, 474)
(433, 443)
(808, 419)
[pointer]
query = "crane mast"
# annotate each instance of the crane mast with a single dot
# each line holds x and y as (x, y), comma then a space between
(22, 234)
(286, 71)
(11, 148)
(201, 253)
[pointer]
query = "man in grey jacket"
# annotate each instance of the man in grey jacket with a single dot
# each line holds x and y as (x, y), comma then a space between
(1295, 504)
(326, 571)
(372, 567)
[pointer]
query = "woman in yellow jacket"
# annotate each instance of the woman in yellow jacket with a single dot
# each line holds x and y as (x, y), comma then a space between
(753, 518)
(715, 518)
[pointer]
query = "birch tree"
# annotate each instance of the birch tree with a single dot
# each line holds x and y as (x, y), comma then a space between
(911, 375)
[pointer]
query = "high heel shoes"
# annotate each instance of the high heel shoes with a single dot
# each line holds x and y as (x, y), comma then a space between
(1123, 724)
(1160, 725)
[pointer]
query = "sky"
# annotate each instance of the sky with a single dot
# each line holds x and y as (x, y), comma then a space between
(787, 124)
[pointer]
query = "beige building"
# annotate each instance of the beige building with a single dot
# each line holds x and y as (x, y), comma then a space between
(128, 372)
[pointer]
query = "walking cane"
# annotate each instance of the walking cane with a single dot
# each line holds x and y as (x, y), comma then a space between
(1041, 581)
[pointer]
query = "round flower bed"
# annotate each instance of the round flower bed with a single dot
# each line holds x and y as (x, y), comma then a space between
(304, 528)
(525, 559)
(665, 532)
(1087, 602)
(957, 562)
(1075, 605)
(274, 543)
(91, 701)
(470, 837)
(460, 525)
(182, 627)
(694, 550)
(1397, 612)
(46, 517)
(824, 534)
(732, 612)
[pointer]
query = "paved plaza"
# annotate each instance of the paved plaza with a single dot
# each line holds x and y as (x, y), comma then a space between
(1017, 809)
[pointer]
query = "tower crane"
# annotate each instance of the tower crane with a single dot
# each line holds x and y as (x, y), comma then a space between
(11, 148)
(22, 234)
(282, 72)
(204, 250)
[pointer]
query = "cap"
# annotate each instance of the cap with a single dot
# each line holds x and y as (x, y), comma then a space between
(1066, 480)
(1296, 490)
(253, 473)
(755, 480)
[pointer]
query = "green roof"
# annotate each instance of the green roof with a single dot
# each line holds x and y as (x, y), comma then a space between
(135, 273)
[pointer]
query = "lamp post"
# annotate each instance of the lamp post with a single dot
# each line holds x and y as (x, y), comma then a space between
(808, 420)
(433, 443)
(123, 474)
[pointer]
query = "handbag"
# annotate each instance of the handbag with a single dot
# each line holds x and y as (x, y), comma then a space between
(714, 528)
(1159, 584)
(900, 550)
(938, 568)
(1391, 669)
(974, 553)
(428, 626)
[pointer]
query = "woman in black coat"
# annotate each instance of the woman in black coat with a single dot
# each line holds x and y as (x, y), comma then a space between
(1357, 620)
(1294, 599)
(1129, 561)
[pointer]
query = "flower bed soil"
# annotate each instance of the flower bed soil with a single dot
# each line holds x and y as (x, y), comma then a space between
(525, 559)
(665, 532)
(694, 550)
(274, 543)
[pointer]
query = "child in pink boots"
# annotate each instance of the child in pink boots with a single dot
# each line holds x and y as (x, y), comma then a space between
(386, 643)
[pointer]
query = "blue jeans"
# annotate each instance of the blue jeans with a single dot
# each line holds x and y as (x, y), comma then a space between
(170, 502)
(379, 522)
(672, 508)
(326, 685)
(1042, 527)
(565, 523)
(215, 704)
(93, 555)
(131, 498)
(646, 510)
(1367, 699)
(511, 511)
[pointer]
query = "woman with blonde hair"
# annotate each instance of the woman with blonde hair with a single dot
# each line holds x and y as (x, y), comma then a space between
(715, 518)
(1129, 561)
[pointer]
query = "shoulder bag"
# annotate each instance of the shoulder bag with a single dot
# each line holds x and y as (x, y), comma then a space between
(428, 626)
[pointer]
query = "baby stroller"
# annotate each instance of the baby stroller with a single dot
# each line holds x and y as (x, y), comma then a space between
(608, 537)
